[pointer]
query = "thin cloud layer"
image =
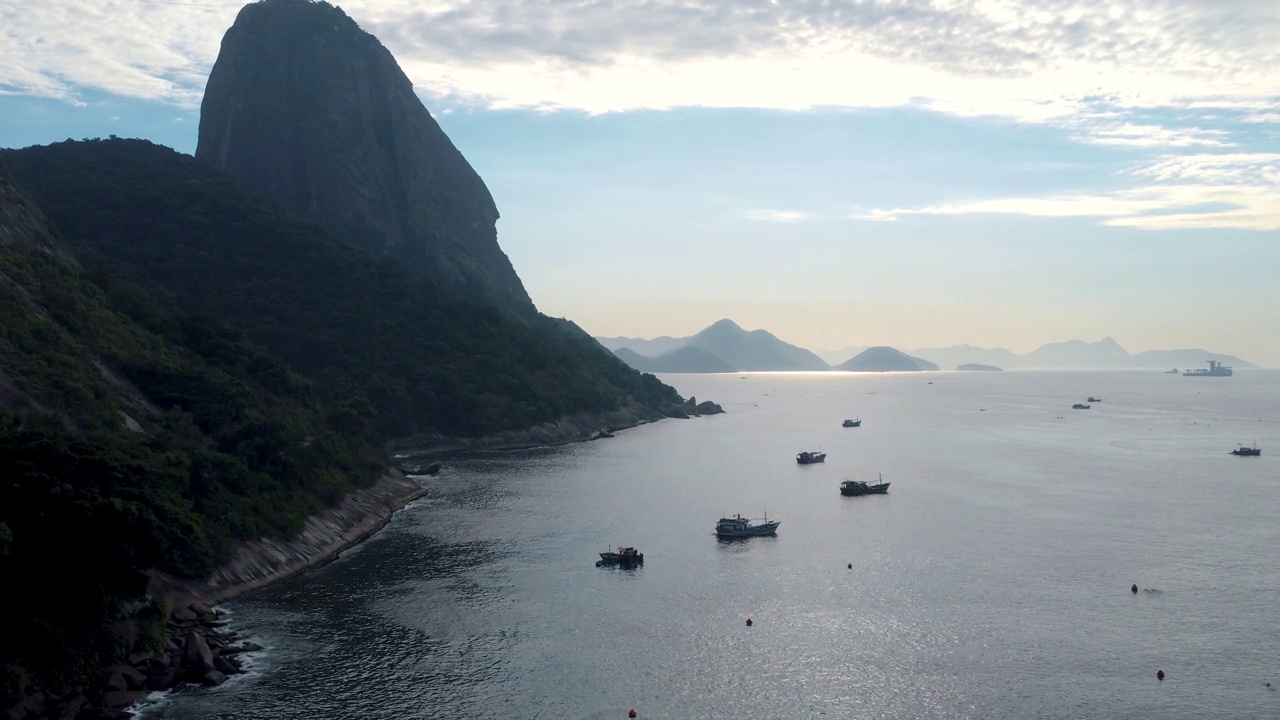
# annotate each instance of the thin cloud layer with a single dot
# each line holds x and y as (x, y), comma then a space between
(1030, 59)
(1147, 76)
(1229, 191)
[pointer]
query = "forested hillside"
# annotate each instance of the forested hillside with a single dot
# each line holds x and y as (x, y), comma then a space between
(132, 437)
(395, 349)
(189, 366)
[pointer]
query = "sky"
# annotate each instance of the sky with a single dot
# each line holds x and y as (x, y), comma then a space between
(915, 173)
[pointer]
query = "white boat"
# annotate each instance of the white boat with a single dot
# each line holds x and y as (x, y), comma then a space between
(738, 526)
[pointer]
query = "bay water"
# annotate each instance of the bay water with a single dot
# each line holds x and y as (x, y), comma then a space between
(993, 581)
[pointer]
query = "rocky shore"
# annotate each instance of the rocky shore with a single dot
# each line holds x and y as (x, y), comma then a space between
(197, 649)
(569, 429)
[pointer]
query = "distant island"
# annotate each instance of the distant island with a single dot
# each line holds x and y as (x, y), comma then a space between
(725, 347)
(885, 359)
(1105, 353)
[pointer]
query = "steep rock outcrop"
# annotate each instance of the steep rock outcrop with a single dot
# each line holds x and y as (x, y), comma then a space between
(22, 223)
(309, 109)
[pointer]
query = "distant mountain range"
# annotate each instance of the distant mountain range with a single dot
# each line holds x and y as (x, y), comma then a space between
(726, 347)
(1105, 353)
(721, 347)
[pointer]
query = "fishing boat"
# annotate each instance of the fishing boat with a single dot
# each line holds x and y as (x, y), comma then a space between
(625, 556)
(739, 527)
(1079, 406)
(809, 458)
(860, 487)
(1093, 399)
(1247, 451)
(857, 422)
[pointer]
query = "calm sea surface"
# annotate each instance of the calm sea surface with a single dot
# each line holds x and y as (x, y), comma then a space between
(992, 582)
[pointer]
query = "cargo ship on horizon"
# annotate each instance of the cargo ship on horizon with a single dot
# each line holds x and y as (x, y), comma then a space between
(1216, 369)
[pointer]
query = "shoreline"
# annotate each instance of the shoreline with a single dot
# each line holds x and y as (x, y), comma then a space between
(199, 647)
(582, 427)
(257, 564)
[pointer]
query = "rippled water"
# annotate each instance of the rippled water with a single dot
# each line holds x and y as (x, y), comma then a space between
(992, 581)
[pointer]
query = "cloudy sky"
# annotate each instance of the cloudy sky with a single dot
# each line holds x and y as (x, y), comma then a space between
(905, 172)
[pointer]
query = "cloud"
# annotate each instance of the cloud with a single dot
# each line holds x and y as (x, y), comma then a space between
(1236, 191)
(785, 216)
(1031, 60)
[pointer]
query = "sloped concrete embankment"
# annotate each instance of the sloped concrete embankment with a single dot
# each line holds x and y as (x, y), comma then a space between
(256, 564)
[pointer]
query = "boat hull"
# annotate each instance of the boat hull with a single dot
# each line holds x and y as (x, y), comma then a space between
(764, 529)
(879, 489)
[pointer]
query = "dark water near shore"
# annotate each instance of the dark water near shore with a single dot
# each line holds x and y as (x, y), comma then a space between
(992, 582)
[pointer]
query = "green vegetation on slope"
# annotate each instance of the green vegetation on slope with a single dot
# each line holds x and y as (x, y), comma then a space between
(365, 331)
(227, 444)
(216, 371)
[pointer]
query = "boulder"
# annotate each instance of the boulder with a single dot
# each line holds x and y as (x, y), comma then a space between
(163, 679)
(125, 677)
(120, 699)
(73, 707)
(116, 681)
(214, 678)
(200, 609)
(183, 615)
(34, 704)
(196, 653)
(708, 408)
(226, 665)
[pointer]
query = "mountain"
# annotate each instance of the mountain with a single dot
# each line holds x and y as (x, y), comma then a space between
(722, 346)
(957, 355)
(977, 367)
(835, 357)
(885, 359)
(1105, 353)
(683, 360)
(1185, 359)
(135, 438)
(310, 110)
(757, 350)
(363, 330)
(1077, 353)
(648, 348)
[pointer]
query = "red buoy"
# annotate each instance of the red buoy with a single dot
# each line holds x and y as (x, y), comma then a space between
(632, 713)
(1134, 589)
(1160, 675)
(748, 622)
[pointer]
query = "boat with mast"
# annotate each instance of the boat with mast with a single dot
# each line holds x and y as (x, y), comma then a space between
(740, 527)
(854, 488)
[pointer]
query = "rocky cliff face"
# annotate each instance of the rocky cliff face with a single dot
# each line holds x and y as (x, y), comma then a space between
(309, 109)
(22, 223)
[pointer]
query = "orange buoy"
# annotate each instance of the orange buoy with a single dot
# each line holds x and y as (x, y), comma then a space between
(748, 622)
(632, 713)
(1160, 675)
(1134, 589)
